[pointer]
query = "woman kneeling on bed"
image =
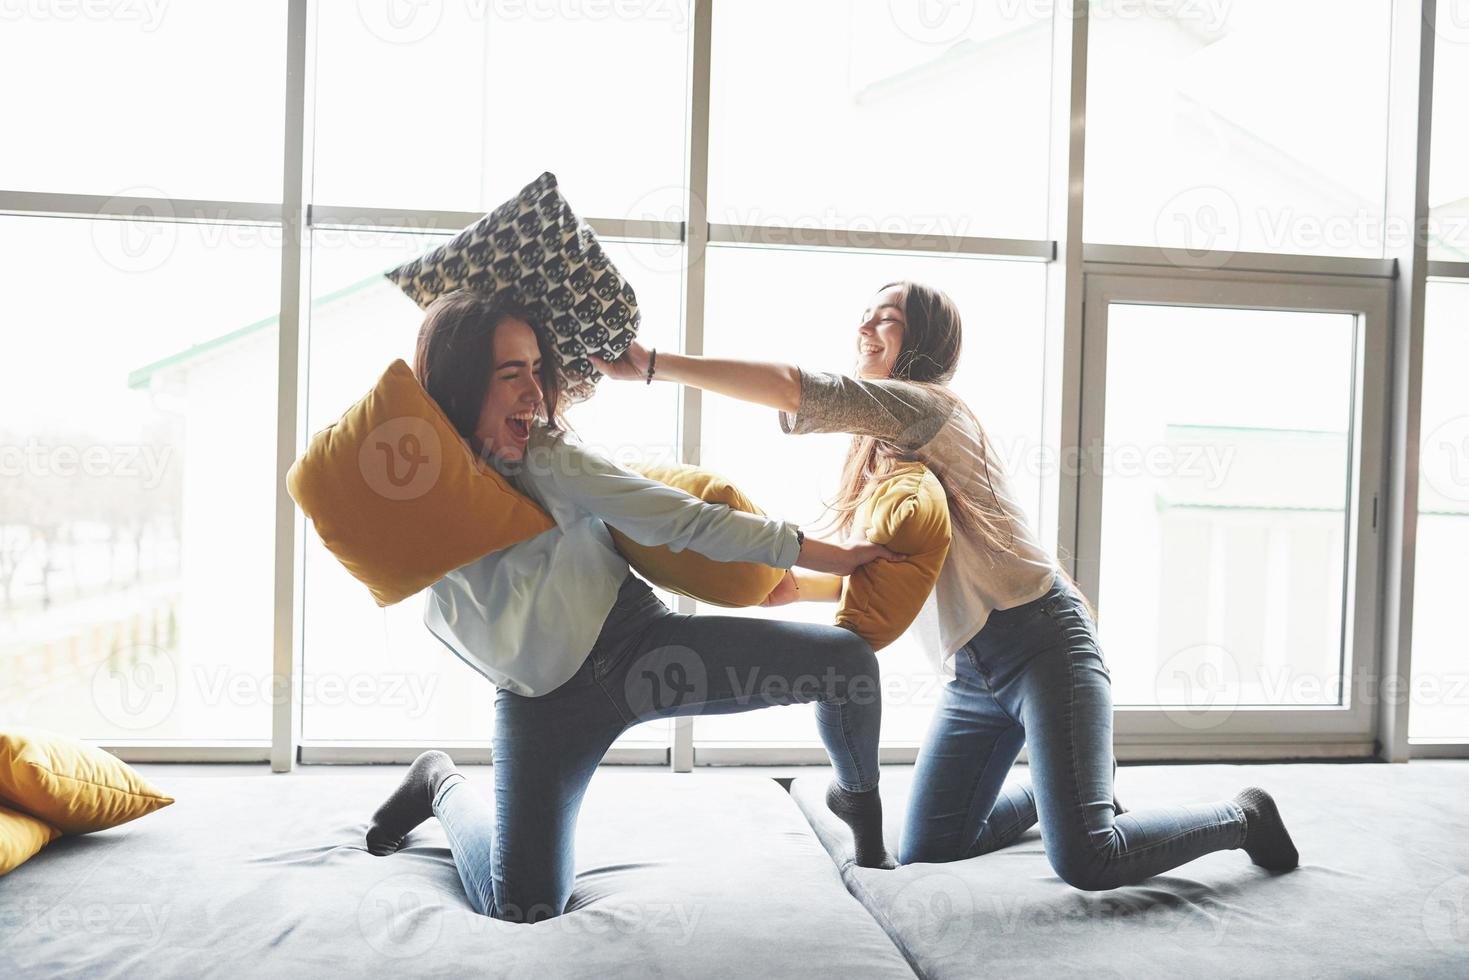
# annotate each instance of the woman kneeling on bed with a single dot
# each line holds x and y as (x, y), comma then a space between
(580, 648)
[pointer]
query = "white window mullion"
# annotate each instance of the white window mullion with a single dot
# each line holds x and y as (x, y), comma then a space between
(291, 385)
(696, 243)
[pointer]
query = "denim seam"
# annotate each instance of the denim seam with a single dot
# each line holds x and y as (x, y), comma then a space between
(457, 847)
(1131, 856)
(852, 752)
(1071, 739)
(629, 718)
(974, 786)
(973, 849)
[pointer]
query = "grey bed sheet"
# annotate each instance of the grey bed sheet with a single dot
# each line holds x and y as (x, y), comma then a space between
(266, 876)
(1382, 890)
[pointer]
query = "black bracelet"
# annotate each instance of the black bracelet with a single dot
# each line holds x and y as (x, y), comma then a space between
(652, 360)
(800, 538)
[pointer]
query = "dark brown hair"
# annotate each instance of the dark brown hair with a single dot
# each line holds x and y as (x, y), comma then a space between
(932, 341)
(454, 359)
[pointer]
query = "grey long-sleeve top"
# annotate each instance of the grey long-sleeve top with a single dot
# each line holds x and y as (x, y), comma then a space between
(527, 616)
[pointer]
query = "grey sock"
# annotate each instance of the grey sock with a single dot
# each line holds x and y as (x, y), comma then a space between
(410, 804)
(862, 812)
(1267, 842)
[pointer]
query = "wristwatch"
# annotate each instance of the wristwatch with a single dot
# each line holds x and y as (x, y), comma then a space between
(800, 538)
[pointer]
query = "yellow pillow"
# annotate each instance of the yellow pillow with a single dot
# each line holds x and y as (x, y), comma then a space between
(74, 787)
(398, 496)
(909, 512)
(687, 572)
(21, 836)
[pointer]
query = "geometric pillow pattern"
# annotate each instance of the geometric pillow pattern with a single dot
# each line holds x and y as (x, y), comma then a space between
(535, 247)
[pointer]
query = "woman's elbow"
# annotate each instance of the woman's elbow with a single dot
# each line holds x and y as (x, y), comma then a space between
(790, 390)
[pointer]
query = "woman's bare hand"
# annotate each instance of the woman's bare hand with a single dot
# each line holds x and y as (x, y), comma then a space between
(631, 366)
(842, 559)
(786, 591)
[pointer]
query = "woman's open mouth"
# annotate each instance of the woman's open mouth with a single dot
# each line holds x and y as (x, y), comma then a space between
(519, 425)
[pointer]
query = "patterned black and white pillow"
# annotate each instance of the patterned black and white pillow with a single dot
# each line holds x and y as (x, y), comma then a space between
(535, 246)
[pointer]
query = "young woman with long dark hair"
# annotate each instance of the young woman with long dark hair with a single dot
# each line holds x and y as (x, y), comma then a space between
(579, 647)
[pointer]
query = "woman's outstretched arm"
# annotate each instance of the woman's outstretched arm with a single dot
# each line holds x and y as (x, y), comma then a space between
(767, 383)
(799, 585)
(652, 513)
(899, 412)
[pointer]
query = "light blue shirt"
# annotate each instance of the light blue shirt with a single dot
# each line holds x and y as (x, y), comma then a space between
(527, 616)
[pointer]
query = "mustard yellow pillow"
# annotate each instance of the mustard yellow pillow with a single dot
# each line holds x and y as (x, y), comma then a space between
(21, 836)
(909, 512)
(399, 498)
(686, 572)
(74, 787)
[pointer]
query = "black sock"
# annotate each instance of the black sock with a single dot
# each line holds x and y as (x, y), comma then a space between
(1266, 840)
(411, 803)
(862, 812)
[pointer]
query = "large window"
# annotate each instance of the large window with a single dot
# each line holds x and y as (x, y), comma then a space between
(1448, 177)
(1226, 482)
(881, 117)
(803, 306)
(1440, 683)
(1228, 515)
(175, 100)
(1206, 446)
(458, 105)
(1244, 126)
(136, 480)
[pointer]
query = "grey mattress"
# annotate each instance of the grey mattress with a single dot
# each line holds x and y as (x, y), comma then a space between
(265, 876)
(1382, 890)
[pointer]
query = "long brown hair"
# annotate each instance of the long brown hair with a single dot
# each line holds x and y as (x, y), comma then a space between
(932, 341)
(454, 359)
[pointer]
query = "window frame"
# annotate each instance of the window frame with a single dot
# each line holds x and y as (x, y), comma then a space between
(1339, 729)
(1384, 587)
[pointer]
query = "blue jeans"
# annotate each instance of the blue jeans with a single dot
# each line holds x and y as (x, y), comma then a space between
(1034, 675)
(516, 859)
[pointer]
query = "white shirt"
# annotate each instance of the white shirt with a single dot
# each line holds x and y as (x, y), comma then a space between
(973, 581)
(527, 616)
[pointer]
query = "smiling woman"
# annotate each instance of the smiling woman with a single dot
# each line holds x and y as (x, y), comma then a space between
(463, 331)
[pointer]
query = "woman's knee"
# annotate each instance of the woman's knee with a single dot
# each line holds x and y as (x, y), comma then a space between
(856, 670)
(1080, 866)
(527, 912)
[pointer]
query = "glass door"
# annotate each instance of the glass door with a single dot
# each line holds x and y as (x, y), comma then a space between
(1227, 490)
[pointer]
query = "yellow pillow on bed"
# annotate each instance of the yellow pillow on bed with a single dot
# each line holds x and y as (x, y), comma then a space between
(909, 512)
(74, 787)
(21, 836)
(719, 583)
(398, 496)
